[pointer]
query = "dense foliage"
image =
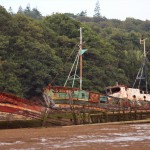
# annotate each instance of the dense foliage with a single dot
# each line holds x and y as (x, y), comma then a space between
(35, 50)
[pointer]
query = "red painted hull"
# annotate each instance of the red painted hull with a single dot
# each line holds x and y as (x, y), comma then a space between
(12, 104)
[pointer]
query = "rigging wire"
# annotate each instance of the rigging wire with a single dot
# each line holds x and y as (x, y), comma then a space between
(63, 65)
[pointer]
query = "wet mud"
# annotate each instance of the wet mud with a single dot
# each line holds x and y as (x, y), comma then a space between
(88, 137)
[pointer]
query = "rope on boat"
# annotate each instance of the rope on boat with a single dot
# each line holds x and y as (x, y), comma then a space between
(64, 64)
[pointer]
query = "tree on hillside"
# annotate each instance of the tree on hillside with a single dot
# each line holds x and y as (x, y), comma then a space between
(27, 10)
(20, 10)
(71, 15)
(5, 22)
(34, 13)
(97, 10)
(82, 14)
(10, 10)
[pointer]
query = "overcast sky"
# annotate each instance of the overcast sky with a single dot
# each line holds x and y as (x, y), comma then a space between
(118, 9)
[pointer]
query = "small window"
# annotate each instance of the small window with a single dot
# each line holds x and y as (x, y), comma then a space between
(83, 95)
(142, 92)
(134, 96)
(115, 90)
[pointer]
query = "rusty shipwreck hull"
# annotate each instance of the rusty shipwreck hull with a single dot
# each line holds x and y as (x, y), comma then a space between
(10, 103)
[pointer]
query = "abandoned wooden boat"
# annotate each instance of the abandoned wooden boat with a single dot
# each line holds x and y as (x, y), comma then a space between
(122, 91)
(66, 97)
(136, 95)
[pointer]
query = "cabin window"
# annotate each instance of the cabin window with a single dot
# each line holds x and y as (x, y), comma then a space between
(115, 90)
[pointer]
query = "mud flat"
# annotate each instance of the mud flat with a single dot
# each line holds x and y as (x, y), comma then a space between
(114, 136)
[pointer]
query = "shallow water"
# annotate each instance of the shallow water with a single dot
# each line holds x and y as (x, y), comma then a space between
(114, 137)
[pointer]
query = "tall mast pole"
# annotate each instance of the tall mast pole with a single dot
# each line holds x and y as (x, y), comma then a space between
(142, 41)
(144, 48)
(80, 53)
(145, 59)
(142, 74)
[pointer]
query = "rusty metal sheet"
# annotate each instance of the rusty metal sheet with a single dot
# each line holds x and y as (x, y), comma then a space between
(94, 97)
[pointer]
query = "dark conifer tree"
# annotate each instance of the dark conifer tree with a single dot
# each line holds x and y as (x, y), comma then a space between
(97, 10)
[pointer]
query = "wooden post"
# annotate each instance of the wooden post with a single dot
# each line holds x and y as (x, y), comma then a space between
(45, 116)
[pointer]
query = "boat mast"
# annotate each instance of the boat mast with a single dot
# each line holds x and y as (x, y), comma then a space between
(142, 73)
(75, 65)
(142, 41)
(80, 53)
(145, 59)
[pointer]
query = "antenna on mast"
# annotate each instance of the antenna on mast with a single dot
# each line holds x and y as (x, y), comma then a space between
(142, 73)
